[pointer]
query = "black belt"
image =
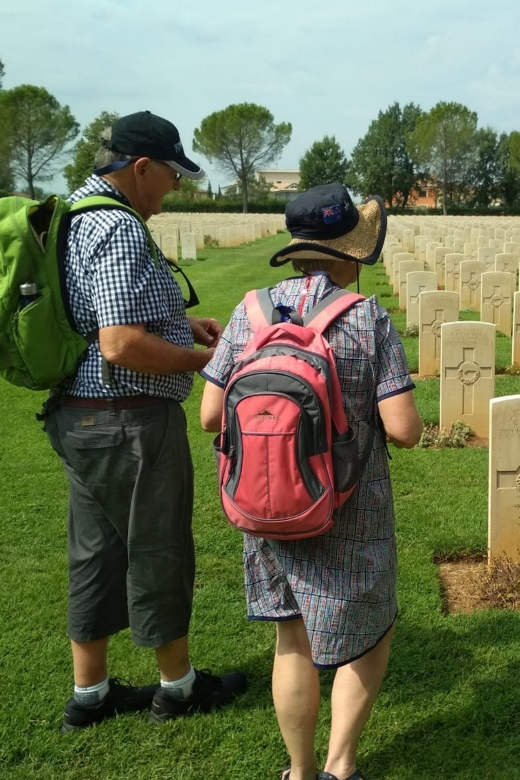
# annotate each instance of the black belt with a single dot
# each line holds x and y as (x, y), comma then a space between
(111, 404)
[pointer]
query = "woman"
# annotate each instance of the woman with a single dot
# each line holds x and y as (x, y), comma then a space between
(332, 596)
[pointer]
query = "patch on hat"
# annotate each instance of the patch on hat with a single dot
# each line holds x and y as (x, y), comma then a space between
(331, 214)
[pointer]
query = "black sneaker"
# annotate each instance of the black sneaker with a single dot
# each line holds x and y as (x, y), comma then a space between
(209, 693)
(122, 697)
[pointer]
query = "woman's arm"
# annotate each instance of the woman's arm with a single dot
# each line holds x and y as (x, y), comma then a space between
(401, 419)
(211, 407)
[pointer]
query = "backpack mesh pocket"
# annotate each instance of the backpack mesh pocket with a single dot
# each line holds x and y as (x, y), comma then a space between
(345, 461)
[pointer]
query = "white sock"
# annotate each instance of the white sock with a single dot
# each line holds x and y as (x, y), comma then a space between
(93, 694)
(182, 688)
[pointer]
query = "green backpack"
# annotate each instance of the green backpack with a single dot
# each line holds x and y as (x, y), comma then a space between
(39, 342)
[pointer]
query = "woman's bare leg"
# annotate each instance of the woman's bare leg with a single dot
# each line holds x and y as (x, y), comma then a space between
(354, 692)
(296, 696)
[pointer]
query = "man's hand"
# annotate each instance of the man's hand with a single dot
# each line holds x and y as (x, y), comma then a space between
(206, 331)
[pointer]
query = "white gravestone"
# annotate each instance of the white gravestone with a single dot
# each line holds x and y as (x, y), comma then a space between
(431, 246)
(508, 263)
(458, 245)
(512, 247)
(470, 275)
(417, 245)
(471, 250)
(188, 246)
(504, 478)
(496, 300)
(398, 258)
(439, 263)
(170, 246)
(198, 229)
(417, 282)
(452, 263)
(505, 261)
(448, 242)
(223, 236)
(487, 256)
(156, 237)
(389, 251)
(408, 240)
(467, 374)
(515, 357)
(405, 267)
(435, 308)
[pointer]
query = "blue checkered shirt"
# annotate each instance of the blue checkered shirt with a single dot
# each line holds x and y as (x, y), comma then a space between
(112, 279)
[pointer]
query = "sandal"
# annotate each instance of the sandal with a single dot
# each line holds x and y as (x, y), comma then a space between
(286, 774)
(327, 776)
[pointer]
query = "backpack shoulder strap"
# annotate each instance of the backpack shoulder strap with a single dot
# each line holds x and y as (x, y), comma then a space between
(96, 202)
(262, 313)
(259, 307)
(330, 308)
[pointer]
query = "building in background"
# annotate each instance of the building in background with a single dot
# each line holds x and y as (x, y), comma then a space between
(284, 183)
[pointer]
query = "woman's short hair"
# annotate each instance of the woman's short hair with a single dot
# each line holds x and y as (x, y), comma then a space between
(307, 266)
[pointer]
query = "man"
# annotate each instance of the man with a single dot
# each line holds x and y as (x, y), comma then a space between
(120, 431)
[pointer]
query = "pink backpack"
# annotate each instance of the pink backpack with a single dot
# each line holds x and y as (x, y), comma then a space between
(287, 457)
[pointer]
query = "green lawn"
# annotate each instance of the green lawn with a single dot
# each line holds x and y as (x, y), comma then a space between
(450, 704)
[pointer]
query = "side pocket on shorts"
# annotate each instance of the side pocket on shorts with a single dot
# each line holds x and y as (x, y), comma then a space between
(101, 457)
(96, 438)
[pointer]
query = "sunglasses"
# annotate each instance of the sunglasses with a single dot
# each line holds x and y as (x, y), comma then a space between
(176, 175)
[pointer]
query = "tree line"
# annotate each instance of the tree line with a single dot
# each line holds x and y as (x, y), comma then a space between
(404, 150)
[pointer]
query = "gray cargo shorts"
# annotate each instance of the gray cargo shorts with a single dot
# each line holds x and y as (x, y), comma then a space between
(130, 541)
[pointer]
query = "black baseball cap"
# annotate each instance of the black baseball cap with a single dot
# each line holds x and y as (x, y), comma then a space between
(144, 134)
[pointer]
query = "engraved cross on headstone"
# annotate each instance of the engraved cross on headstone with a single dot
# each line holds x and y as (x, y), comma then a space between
(435, 328)
(468, 372)
(508, 479)
(496, 299)
(415, 298)
(473, 285)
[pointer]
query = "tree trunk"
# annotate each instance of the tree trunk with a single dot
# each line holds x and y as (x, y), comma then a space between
(244, 196)
(444, 189)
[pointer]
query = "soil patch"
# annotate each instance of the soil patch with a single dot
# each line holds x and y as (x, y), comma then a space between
(461, 583)
(466, 585)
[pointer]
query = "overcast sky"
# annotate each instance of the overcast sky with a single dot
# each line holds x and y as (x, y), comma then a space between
(326, 67)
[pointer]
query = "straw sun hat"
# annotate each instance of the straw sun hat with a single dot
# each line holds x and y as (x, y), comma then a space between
(324, 223)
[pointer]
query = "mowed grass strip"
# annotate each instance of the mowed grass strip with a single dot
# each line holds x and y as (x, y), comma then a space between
(449, 706)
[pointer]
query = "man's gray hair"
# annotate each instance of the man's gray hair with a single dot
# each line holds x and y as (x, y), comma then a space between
(105, 156)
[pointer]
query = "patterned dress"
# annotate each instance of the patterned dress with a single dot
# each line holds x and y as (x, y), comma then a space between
(343, 582)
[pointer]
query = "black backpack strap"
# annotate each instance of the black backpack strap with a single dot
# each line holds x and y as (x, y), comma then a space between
(193, 300)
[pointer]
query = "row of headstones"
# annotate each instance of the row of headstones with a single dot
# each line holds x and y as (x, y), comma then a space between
(490, 293)
(466, 230)
(463, 353)
(447, 265)
(486, 287)
(467, 389)
(190, 235)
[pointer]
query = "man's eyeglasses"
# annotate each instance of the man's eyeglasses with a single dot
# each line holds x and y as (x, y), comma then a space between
(176, 175)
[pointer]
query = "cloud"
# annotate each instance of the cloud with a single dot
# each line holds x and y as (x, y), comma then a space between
(498, 93)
